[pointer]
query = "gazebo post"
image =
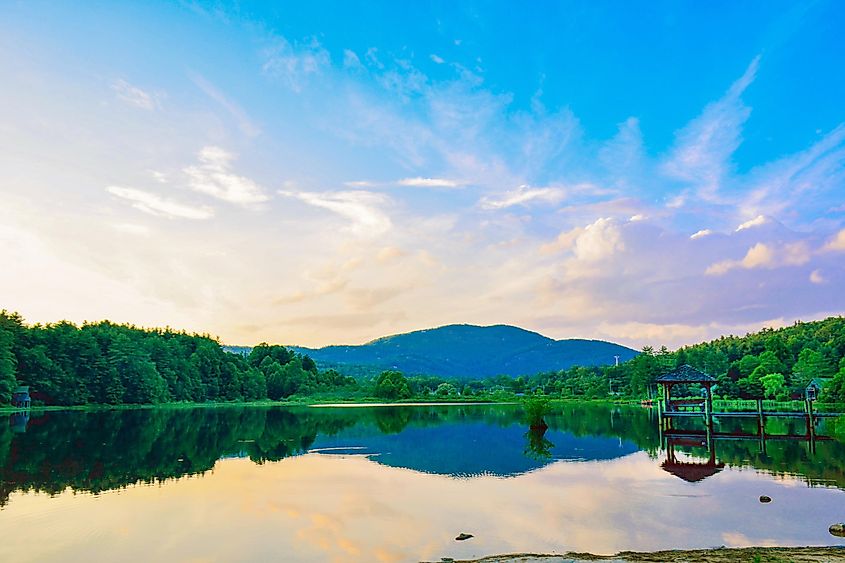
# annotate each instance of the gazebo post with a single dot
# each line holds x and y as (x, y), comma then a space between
(667, 389)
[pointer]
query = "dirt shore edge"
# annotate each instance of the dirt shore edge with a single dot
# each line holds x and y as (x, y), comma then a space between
(835, 554)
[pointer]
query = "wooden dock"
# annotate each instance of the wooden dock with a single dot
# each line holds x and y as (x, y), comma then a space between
(672, 410)
(748, 414)
(702, 435)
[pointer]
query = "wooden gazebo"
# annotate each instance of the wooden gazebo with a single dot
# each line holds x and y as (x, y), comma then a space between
(687, 375)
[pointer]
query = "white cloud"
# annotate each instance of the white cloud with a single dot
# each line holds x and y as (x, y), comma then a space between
(624, 156)
(160, 206)
(213, 176)
(676, 201)
(563, 242)
(598, 240)
(160, 177)
(703, 148)
(816, 277)
(359, 184)
(362, 208)
(758, 255)
(372, 58)
(295, 64)
(701, 234)
(591, 243)
(667, 333)
(419, 182)
(133, 95)
(796, 253)
(837, 243)
(523, 195)
(751, 223)
(351, 60)
(390, 254)
(132, 229)
(245, 123)
(436, 59)
(798, 183)
(637, 217)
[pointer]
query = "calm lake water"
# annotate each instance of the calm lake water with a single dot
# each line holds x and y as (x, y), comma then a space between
(399, 483)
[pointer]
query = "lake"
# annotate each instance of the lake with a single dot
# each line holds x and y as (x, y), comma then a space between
(400, 483)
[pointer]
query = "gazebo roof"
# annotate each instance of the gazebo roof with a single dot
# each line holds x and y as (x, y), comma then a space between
(686, 374)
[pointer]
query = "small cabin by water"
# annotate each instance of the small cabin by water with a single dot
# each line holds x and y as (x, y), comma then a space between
(814, 389)
(21, 398)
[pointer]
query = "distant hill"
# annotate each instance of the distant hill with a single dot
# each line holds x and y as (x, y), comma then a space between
(468, 351)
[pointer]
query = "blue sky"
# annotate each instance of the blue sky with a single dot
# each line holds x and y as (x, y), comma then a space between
(332, 172)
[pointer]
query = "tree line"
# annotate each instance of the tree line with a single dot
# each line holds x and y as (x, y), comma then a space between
(107, 363)
(771, 364)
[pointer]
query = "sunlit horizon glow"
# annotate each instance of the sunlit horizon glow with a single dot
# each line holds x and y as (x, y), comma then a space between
(332, 173)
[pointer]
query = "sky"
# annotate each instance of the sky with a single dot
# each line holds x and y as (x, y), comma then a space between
(315, 173)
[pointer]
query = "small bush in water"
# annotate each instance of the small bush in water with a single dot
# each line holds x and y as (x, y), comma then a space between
(536, 407)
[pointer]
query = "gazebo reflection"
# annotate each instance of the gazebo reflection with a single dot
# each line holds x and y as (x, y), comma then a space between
(691, 471)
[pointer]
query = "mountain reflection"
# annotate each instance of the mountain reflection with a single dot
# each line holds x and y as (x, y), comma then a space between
(98, 451)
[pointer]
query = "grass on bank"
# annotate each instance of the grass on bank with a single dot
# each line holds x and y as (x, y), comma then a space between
(719, 405)
(291, 401)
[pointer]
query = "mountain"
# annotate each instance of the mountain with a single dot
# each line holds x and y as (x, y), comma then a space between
(468, 351)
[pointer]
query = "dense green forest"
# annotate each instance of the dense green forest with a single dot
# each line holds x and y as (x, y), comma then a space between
(773, 364)
(106, 363)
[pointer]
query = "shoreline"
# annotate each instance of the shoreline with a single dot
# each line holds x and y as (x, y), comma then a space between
(810, 554)
(312, 402)
(264, 403)
(305, 402)
(406, 404)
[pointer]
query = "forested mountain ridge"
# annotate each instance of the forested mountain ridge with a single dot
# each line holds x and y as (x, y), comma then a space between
(469, 352)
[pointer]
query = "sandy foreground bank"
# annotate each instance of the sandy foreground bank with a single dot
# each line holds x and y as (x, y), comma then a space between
(722, 555)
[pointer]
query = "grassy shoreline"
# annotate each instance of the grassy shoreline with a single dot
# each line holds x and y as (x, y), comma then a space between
(304, 402)
(377, 401)
(98, 407)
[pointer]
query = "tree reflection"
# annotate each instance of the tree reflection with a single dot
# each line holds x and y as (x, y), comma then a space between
(537, 446)
(103, 450)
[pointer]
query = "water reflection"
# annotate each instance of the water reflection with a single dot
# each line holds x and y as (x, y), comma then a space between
(104, 450)
(110, 449)
(398, 483)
